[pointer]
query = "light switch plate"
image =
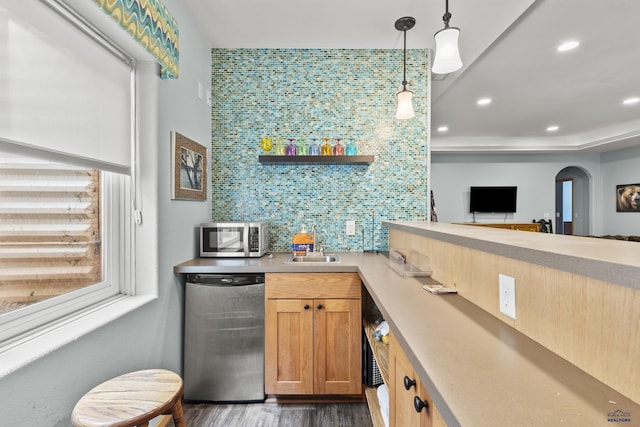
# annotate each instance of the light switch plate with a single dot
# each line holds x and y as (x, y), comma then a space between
(351, 228)
(200, 91)
(507, 286)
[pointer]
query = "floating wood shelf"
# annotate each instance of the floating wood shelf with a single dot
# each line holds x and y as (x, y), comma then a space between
(348, 160)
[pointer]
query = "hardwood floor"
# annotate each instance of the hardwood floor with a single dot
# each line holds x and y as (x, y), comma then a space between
(277, 415)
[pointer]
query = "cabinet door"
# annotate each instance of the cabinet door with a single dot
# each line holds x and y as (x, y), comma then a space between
(289, 346)
(337, 346)
(402, 410)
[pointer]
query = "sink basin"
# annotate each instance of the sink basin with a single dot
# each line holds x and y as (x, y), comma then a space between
(323, 259)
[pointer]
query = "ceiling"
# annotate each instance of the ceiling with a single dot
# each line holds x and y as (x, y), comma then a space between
(509, 53)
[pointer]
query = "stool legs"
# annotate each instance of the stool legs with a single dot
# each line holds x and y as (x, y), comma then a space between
(176, 412)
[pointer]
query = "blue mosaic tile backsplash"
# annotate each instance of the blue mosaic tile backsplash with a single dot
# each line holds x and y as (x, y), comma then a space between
(316, 93)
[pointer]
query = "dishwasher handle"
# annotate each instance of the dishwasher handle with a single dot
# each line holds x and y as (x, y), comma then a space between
(226, 279)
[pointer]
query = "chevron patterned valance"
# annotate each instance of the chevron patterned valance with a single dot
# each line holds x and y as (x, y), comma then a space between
(151, 24)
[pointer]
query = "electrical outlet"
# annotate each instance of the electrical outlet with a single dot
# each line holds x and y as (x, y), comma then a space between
(507, 287)
(351, 228)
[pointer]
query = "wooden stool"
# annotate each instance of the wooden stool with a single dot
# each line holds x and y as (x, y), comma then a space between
(131, 400)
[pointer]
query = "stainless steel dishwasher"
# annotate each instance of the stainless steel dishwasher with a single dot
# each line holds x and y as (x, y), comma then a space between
(224, 337)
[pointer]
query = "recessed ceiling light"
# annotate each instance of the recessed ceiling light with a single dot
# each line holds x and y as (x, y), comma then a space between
(443, 128)
(484, 101)
(570, 45)
(630, 101)
(552, 128)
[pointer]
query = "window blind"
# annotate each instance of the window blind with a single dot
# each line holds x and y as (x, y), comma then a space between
(50, 240)
(61, 91)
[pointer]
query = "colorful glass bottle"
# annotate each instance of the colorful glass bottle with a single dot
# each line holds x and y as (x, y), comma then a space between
(338, 149)
(303, 147)
(279, 149)
(266, 144)
(352, 150)
(291, 148)
(314, 148)
(326, 149)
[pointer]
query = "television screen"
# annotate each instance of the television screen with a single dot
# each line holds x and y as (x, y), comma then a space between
(493, 199)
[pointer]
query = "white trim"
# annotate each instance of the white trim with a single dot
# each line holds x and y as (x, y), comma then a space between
(27, 348)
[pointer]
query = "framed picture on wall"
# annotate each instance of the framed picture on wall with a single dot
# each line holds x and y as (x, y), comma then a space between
(628, 198)
(188, 169)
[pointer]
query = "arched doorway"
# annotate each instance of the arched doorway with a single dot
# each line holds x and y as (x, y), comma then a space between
(572, 201)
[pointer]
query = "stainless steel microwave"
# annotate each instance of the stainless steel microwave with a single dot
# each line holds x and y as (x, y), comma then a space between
(234, 239)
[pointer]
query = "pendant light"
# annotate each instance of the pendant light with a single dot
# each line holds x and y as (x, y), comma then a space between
(405, 106)
(447, 58)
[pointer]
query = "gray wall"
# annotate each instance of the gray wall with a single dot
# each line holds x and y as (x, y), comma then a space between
(619, 167)
(533, 174)
(44, 392)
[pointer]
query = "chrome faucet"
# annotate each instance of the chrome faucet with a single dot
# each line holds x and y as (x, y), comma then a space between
(317, 247)
(313, 233)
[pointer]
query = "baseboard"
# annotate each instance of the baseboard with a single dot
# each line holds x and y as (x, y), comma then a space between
(360, 398)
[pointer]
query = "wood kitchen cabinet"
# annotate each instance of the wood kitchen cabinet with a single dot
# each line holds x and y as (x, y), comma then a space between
(409, 403)
(313, 341)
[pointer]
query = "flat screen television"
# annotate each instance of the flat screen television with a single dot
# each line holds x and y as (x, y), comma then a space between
(493, 199)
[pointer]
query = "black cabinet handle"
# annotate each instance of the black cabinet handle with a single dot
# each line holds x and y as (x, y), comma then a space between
(306, 307)
(419, 404)
(408, 382)
(319, 306)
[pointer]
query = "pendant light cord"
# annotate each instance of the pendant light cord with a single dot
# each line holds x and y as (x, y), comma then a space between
(404, 70)
(404, 24)
(447, 16)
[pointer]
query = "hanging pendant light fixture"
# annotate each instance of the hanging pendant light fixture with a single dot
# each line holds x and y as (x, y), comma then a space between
(405, 106)
(447, 58)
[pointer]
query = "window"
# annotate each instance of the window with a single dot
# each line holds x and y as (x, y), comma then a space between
(66, 136)
(50, 237)
(64, 240)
